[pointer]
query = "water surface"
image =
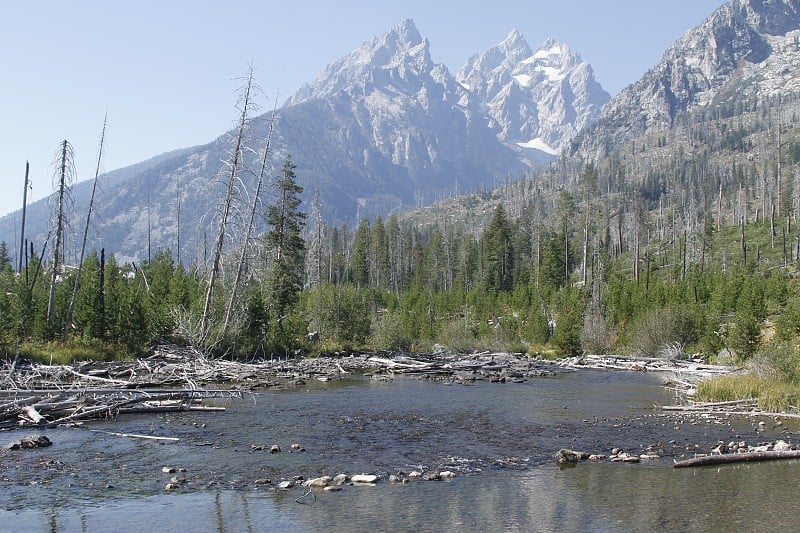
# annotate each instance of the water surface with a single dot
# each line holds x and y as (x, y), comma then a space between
(499, 438)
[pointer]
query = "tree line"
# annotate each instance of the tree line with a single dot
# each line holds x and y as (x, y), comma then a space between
(559, 285)
(652, 259)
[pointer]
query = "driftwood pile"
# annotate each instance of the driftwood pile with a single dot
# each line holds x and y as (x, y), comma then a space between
(692, 369)
(53, 408)
(461, 368)
(746, 407)
(178, 378)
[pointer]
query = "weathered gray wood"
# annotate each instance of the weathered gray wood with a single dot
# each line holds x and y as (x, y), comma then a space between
(729, 458)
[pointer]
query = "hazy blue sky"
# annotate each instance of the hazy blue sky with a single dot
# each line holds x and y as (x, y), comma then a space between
(167, 70)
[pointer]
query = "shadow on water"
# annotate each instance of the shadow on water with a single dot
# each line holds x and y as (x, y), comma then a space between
(498, 438)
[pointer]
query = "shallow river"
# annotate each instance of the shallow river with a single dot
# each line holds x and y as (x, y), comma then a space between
(498, 438)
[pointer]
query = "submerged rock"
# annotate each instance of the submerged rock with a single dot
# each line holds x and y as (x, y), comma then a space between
(781, 446)
(567, 457)
(30, 442)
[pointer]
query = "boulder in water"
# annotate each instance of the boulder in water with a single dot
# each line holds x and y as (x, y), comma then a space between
(364, 478)
(30, 442)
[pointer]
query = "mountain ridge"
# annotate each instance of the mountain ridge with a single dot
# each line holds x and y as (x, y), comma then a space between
(692, 71)
(537, 98)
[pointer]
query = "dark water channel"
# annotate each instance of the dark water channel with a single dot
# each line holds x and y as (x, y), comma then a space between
(498, 438)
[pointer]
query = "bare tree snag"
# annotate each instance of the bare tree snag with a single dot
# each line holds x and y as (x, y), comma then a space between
(66, 170)
(76, 286)
(253, 208)
(24, 208)
(226, 208)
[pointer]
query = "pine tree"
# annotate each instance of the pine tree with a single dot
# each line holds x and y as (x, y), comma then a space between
(359, 257)
(285, 245)
(4, 259)
(498, 252)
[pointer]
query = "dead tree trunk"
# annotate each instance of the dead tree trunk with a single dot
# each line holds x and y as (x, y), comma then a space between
(76, 286)
(245, 245)
(743, 245)
(64, 177)
(24, 208)
(729, 458)
(226, 209)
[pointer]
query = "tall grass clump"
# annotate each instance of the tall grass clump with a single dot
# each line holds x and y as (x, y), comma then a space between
(773, 378)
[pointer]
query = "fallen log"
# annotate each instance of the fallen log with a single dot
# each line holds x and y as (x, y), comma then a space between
(728, 458)
(32, 414)
(136, 435)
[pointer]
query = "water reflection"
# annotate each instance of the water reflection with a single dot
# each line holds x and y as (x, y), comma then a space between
(498, 437)
(591, 497)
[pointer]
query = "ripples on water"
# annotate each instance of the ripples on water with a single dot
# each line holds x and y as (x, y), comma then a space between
(500, 438)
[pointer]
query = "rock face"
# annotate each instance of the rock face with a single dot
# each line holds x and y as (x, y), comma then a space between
(393, 125)
(744, 47)
(536, 99)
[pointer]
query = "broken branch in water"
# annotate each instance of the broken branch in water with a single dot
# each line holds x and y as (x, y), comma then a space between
(300, 499)
(135, 436)
(728, 458)
(43, 408)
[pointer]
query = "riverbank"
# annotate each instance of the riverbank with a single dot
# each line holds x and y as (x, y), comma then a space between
(411, 431)
(174, 378)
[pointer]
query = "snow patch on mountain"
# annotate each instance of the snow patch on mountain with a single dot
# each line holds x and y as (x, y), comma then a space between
(545, 95)
(539, 144)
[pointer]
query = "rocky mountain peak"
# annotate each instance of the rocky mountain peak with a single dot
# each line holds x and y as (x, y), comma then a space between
(537, 100)
(770, 17)
(401, 47)
(744, 46)
(403, 35)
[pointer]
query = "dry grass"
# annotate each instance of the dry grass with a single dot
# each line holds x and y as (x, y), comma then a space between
(729, 388)
(773, 395)
(72, 351)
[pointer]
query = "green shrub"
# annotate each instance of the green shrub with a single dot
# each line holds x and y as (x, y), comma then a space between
(389, 333)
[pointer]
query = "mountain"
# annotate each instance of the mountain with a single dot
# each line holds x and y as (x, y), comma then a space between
(382, 129)
(394, 128)
(537, 99)
(746, 47)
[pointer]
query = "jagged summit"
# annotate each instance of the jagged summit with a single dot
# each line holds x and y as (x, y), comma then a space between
(400, 46)
(403, 122)
(536, 99)
(403, 34)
